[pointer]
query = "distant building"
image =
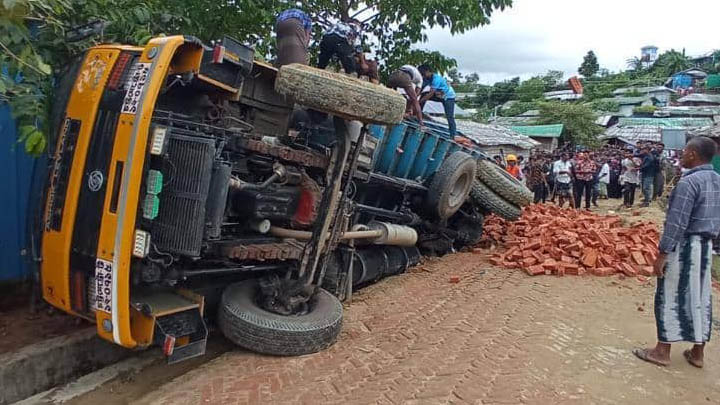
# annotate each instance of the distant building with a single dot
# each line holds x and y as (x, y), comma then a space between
(661, 93)
(648, 55)
(698, 99)
(686, 79)
(628, 104)
(562, 95)
(546, 135)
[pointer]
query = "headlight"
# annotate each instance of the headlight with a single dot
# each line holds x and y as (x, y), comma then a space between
(157, 142)
(141, 245)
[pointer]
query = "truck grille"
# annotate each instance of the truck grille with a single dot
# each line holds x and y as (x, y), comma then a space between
(181, 220)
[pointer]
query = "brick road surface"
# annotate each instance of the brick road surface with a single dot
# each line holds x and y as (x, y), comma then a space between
(497, 337)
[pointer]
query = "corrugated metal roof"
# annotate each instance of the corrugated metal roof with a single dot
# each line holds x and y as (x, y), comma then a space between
(492, 135)
(633, 134)
(630, 100)
(540, 131)
(700, 98)
(666, 122)
(683, 111)
(712, 132)
(436, 108)
(644, 90)
(510, 121)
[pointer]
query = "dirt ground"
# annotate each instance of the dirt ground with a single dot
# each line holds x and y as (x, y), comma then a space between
(20, 326)
(496, 337)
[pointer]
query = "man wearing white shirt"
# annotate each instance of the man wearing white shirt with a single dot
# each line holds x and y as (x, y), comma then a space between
(409, 79)
(563, 168)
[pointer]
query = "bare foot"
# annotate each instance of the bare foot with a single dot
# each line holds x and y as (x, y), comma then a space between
(650, 356)
(693, 358)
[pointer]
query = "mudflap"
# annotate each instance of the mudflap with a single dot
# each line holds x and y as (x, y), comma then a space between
(182, 335)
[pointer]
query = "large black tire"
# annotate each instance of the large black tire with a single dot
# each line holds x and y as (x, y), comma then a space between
(483, 196)
(503, 183)
(244, 323)
(340, 95)
(451, 185)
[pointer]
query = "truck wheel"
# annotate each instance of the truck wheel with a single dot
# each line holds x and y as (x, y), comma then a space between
(503, 183)
(451, 185)
(340, 95)
(483, 196)
(244, 323)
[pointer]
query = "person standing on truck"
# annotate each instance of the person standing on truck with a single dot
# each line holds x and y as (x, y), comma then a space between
(442, 91)
(409, 79)
(293, 27)
(343, 41)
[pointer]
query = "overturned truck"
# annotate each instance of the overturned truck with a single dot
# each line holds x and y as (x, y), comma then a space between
(188, 182)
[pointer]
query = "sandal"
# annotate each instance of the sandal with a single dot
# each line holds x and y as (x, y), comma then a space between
(643, 354)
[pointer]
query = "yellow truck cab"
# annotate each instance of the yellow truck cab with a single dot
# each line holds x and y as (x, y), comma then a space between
(102, 185)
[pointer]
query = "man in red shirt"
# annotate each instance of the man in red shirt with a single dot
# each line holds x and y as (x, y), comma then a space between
(585, 169)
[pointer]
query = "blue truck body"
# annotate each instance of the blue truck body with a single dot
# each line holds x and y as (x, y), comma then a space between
(408, 152)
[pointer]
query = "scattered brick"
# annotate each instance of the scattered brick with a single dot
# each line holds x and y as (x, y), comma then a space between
(454, 279)
(551, 240)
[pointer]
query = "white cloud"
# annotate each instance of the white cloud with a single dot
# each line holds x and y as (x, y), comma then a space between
(535, 36)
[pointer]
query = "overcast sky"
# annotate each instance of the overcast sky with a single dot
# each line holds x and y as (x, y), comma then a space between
(538, 35)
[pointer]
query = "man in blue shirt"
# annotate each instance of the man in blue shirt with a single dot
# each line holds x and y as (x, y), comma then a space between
(293, 28)
(683, 299)
(440, 90)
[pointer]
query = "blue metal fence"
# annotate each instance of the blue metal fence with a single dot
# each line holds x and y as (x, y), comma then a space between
(15, 175)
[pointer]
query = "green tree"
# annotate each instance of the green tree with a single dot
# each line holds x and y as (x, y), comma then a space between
(635, 64)
(472, 78)
(553, 79)
(590, 65)
(454, 75)
(578, 120)
(531, 89)
(670, 62)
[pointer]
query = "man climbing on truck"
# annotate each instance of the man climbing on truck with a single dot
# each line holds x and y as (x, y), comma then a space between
(343, 41)
(409, 79)
(441, 91)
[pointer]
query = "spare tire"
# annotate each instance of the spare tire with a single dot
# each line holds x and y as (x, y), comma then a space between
(340, 95)
(451, 185)
(503, 183)
(483, 196)
(246, 324)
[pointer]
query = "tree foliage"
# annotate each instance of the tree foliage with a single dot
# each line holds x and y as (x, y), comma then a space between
(590, 65)
(670, 62)
(531, 89)
(34, 47)
(578, 120)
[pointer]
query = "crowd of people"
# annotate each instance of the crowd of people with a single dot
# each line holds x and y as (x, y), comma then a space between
(614, 171)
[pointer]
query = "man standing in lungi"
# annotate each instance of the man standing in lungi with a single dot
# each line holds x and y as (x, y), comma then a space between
(293, 29)
(683, 301)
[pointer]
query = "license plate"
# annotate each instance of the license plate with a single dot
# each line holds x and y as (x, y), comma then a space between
(103, 285)
(135, 87)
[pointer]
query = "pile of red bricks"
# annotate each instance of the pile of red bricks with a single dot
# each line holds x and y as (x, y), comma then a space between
(551, 240)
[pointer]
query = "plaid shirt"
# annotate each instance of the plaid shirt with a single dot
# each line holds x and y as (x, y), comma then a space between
(297, 14)
(348, 32)
(694, 207)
